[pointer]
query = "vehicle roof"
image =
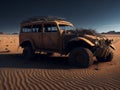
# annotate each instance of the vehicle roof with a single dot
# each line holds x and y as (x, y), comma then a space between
(45, 19)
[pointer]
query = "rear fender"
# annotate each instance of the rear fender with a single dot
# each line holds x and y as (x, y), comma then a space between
(28, 41)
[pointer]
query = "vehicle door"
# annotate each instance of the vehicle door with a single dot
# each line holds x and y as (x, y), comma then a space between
(37, 35)
(50, 36)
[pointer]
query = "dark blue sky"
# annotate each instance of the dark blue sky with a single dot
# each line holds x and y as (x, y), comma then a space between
(102, 15)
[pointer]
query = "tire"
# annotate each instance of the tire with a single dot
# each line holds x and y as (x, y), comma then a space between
(28, 53)
(81, 57)
(110, 57)
(107, 59)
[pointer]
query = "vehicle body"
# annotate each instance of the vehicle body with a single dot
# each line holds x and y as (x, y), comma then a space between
(51, 34)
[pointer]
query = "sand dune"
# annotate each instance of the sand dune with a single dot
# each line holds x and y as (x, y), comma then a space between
(54, 73)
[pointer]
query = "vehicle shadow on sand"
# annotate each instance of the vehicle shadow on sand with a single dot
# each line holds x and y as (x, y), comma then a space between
(40, 61)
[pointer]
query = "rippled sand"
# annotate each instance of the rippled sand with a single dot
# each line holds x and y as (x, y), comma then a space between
(54, 73)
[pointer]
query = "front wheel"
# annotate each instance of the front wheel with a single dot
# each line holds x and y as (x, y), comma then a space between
(81, 57)
(107, 59)
(110, 56)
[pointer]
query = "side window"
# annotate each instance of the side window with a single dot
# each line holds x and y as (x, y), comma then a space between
(50, 28)
(26, 29)
(37, 28)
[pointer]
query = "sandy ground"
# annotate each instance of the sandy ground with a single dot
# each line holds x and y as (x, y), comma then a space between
(54, 73)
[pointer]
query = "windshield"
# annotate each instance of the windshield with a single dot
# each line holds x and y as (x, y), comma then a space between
(66, 27)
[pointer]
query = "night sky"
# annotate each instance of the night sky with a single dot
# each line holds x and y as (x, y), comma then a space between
(101, 15)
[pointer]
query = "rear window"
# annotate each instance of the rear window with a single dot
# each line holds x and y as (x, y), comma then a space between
(26, 29)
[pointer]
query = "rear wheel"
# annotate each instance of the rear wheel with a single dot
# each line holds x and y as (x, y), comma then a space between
(28, 53)
(81, 57)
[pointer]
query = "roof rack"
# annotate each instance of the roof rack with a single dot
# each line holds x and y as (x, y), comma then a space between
(43, 18)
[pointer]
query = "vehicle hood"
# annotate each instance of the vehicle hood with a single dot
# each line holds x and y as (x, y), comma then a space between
(91, 37)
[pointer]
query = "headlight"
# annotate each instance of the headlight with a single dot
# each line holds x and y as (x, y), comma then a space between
(96, 42)
(111, 41)
(108, 42)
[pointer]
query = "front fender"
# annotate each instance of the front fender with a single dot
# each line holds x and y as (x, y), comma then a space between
(83, 39)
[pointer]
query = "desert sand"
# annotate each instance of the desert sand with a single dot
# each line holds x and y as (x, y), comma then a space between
(54, 73)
